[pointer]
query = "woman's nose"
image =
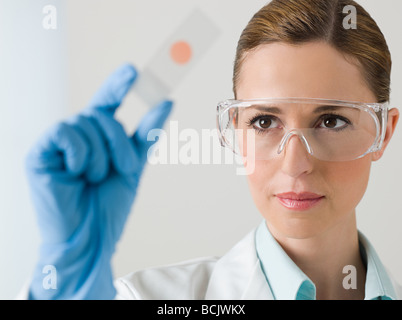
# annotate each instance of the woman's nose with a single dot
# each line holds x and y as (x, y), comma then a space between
(296, 158)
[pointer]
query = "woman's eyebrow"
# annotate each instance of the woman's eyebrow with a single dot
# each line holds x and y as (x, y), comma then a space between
(273, 109)
(320, 109)
(333, 108)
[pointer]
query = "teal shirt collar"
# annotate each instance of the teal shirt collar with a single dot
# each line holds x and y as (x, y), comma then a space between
(288, 282)
(378, 283)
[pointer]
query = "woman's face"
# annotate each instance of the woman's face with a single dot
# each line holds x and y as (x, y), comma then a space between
(312, 70)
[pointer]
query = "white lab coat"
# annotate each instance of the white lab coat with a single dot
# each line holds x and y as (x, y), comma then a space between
(237, 275)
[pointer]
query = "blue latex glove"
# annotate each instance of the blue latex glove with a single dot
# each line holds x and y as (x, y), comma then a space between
(83, 176)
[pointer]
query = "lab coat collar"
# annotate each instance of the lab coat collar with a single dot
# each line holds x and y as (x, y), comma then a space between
(288, 282)
(238, 274)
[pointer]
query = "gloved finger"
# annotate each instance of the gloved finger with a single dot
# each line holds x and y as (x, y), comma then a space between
(114, 89)
(98, 163)
(62, 148)
(154, 119)
(120, 147)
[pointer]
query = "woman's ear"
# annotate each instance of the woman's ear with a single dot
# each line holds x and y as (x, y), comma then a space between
(393, 116)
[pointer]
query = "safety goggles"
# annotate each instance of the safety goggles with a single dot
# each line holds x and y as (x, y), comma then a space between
(330, 130)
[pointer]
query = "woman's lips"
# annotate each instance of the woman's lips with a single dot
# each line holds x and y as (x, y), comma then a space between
(299, 201)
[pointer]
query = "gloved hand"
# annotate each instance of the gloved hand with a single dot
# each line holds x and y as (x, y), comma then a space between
(83, 176)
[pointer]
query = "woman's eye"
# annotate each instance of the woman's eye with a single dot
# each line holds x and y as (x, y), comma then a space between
(333, 122)
(265, 123)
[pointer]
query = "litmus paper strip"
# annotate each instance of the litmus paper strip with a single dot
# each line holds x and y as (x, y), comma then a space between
(176, 57)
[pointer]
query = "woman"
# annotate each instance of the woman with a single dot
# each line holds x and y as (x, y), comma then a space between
(310, 114)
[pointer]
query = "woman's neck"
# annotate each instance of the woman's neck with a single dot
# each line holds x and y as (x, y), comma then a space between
(323, 259)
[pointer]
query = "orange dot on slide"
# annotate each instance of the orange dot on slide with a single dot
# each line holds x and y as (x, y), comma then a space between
(181, 52)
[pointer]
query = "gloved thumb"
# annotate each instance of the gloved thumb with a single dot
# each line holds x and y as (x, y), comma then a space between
(154, 119)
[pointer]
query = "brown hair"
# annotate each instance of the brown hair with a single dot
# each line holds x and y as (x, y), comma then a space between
(300, 21)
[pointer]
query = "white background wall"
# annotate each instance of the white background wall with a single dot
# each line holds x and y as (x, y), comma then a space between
(181, 211)
(33, 95)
